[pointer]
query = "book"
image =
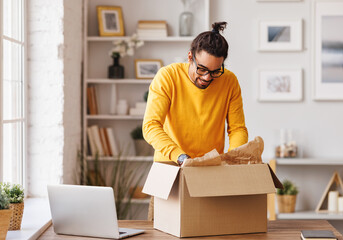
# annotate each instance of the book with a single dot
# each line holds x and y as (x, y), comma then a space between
(97, 140)
(152, 24)
(107, 141)
(317, 235)
(91, 142)
(94, 100)
(90, 101)
(103, 142)
(152, 33)
(112, 142)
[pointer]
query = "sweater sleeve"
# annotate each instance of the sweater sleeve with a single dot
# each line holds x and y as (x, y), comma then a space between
(238, 133)
(158, 106)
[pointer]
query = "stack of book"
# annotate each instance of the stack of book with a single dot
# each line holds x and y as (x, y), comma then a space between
(92, 105)
(139, 109)
(147, 29)
(101, 141)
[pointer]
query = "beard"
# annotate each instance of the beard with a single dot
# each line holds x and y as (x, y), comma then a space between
(202, 84)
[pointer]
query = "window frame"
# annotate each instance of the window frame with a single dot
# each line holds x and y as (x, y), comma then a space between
(23, 140)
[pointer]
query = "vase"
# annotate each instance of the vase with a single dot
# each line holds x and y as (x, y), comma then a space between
(116, 70)
(286, 203)
(17, 216)
(5, 217)
(122, 107)
(186, 24)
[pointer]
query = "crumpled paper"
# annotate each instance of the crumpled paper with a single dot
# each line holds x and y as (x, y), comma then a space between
(249, 153)
(211, 158)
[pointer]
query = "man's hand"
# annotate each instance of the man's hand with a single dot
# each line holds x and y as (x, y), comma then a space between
(182, 158)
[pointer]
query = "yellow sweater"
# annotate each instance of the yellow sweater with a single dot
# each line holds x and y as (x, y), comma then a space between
(181, 118)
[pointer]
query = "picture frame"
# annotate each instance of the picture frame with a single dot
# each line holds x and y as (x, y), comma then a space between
(280, 85)
(280, 35)
(327, 50)
(110, 21)
(147, 68)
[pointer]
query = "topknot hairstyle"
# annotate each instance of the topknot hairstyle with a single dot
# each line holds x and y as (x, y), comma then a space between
(211, 42)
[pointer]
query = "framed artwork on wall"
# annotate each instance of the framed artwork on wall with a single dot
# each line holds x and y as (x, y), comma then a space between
(328, 50)
(280, 85)
(110, 20)
(147, 68)
(280, 35)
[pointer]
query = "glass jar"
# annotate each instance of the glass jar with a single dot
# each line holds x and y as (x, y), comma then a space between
(186, 24)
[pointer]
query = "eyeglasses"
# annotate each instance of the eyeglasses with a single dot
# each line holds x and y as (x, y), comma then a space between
(204, 71)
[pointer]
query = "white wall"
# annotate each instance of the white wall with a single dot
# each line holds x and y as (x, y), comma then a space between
(320, 123)
(54, 86)
(72, 88)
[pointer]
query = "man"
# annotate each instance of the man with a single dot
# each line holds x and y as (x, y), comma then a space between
(188, 103)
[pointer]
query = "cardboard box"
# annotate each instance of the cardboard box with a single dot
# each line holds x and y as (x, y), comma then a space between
(214, 200)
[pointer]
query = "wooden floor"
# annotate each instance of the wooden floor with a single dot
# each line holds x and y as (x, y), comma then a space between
(277, 230)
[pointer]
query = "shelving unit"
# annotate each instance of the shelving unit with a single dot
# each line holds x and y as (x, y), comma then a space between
(96, 60)
(311, 175)
(127, 158)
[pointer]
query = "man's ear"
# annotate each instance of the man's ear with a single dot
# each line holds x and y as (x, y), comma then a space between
(190, 56)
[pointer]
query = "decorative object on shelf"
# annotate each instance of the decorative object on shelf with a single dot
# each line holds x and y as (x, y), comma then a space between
(141, 146)
(280, 35)
(333, 201)
(283, 85)
(121, 176)
(139, 109)
(147, 68)
(340, 204)
(116, 71)
(122, 48)
(186, 20)
(332, 192)
(5, 213)
(110, 21)
(327, 50)
(122, 107)
(152, 29)
(288, 147)
(15, 194)
(286, 197)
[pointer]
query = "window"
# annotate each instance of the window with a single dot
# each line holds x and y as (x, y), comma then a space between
(12, 91)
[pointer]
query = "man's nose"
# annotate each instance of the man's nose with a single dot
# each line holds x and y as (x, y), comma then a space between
(207, 77)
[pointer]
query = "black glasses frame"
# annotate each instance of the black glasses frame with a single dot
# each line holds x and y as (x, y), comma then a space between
(208, 71)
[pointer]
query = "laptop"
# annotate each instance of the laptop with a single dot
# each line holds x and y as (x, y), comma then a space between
(86, 211)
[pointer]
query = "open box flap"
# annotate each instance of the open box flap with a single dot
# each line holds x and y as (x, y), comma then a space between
(160, 180)
(276, 181)
(229, 180)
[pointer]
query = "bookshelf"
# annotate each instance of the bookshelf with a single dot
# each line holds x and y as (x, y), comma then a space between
(96, 60)
(311, 175)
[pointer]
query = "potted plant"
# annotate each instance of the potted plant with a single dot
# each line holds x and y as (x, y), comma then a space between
(15, 194)
(286, 197)
(141, 146)
(5, 213)
(120, 174)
